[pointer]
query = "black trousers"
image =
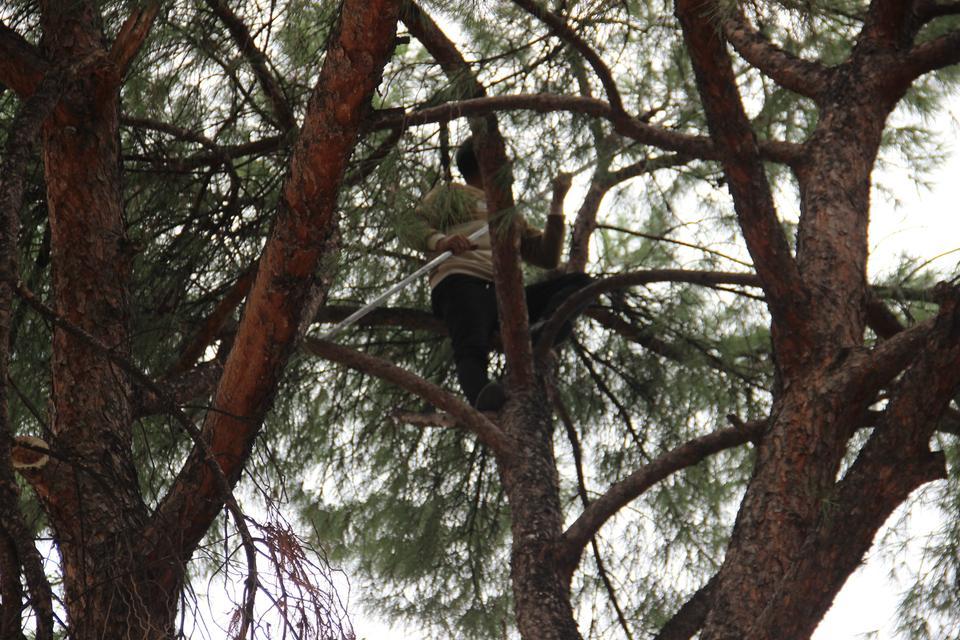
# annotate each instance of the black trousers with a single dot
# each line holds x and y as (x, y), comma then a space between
(468, 306)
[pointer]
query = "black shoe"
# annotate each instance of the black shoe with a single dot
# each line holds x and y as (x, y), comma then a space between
(491, 398)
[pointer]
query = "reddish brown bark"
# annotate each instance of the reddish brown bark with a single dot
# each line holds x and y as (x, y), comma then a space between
(98, 491)
(21, 64)
(753, 201)
(286, 279)
(826, 389)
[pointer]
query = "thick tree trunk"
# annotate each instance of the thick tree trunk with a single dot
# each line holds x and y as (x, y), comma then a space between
(93, 500)
(541, 586)
(814, 415)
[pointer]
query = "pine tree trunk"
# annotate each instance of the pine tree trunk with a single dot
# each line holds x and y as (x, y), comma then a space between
(93, 500)
(812, 419)
(541, 587)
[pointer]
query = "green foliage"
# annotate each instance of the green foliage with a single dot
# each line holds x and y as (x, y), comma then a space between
(417, 514)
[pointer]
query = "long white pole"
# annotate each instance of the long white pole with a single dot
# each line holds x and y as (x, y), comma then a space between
(383, 297)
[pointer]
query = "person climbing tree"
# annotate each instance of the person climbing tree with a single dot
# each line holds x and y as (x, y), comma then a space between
(462, 288)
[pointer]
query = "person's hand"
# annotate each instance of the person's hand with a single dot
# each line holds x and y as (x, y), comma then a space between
(561, 184)
(456, 244)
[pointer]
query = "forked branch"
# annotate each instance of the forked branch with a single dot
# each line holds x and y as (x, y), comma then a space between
(932, 55)
(578, 535)
(789, 71)
(894, 462)
(752, 198)
(258, 62)
(469, 418)
(560, 27)
(287, 279)
(131, 37)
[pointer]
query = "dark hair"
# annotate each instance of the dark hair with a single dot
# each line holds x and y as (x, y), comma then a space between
(467, 160)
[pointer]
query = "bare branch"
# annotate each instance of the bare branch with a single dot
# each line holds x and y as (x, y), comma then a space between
(632, 279)
(789, 71)
(442, 49)
(211, 327)
(370, 163)
(215, 154)
(601, 183)
(131, 37)
(560, 27)
(932, 55)
(469, 418)
(576, 537)
(287, 280)
(181, 388)
(746, 177)
(895, 461)
(21, 64)
(690, 617)
(257, 61)
(928, 10)
(689, 145)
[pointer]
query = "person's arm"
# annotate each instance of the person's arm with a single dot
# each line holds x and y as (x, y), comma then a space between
(421, 231)
(543, 248)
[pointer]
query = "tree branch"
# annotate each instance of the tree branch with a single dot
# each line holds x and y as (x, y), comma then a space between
(131, 37)
(469, 418)
(889, 24)
(632, 279)
(214, 323)
(928, 10)
(669, 350)
(585, 502)
(180, 389)
(559, 26)
(689, 145)
(747, 180)
(257, 61)
(600, 184)
(789, 71)
(21, 64)
(932, 55)
(443, 51)
(169, 406)
(16, 154)
(287, 278)
(403, 317)
(864, 372)
(578, 534)
(690, 617)
(895, 461)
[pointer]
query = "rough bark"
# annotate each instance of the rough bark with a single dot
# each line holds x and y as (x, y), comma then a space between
(287, 280)
(98, 490)
(826, 387)
(541, 586)
(19, 549)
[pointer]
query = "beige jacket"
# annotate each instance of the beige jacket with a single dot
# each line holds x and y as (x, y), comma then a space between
(459, 209)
